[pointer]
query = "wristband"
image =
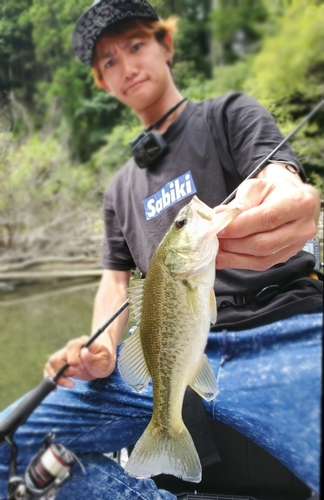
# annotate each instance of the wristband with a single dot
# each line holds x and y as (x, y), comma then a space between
(291, 167)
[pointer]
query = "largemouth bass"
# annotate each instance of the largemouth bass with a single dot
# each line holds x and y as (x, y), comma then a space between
(174, 307)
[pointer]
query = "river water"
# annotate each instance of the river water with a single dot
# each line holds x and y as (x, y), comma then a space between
(34, 322)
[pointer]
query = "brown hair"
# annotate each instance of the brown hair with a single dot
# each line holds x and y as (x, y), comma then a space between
(134, 27)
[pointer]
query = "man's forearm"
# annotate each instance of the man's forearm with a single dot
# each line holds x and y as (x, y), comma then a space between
(111, 294)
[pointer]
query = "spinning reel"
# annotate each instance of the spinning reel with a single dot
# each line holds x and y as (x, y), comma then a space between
(48, 470)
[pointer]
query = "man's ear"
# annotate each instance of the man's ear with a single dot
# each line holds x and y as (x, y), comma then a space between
(168, 43)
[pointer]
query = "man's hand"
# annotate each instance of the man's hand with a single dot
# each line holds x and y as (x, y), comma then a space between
(99, 360)
(279, 215)
(85, 364)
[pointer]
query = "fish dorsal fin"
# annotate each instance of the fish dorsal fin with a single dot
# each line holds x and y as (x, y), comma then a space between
(204, 382)
(136, 298)
(212, 307)
(191, 298)
(132, 364)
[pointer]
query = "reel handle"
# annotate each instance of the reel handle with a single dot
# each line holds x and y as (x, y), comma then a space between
(22, 411)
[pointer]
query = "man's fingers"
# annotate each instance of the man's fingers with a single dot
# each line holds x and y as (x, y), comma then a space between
(277, 218)
(88, 360)
(268, 243)
(65, 382)
(73, 348)
(96, 364)
(84, 363)
(249, 196)
(250, 193)
(271, 215)
(241, 261)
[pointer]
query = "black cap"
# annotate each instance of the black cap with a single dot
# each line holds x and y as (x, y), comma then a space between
(102, 14)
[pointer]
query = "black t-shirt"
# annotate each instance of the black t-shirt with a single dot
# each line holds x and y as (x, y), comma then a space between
(213, 146)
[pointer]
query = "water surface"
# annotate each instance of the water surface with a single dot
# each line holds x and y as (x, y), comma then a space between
(35, 321)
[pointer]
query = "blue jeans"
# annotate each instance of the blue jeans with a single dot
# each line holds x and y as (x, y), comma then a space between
(270, 389)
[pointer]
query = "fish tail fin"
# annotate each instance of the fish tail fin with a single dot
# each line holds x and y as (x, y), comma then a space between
(164, 453)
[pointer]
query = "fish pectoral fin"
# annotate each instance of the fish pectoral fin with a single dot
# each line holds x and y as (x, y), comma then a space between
(132, 364)
(192, 298)
(204, 382)
(136, 299)
(212, 307)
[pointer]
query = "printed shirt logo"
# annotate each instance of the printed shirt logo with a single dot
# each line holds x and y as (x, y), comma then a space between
(169, 194)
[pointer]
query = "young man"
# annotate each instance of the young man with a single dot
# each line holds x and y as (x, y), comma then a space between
(268, 296)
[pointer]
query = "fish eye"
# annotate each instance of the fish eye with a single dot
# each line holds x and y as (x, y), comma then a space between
(180, 222)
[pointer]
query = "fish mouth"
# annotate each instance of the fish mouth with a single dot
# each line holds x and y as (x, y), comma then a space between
(213, 223)
(205, 216)
(221, 220)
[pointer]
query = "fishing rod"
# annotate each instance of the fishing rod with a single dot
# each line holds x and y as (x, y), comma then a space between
(264, 162)
(18, 416)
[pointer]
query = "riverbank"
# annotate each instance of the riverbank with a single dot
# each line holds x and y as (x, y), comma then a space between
(46, 275)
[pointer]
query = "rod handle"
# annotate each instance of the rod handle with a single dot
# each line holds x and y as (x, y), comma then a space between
(22, 411)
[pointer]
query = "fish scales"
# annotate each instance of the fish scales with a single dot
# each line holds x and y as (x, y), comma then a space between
(173, 350)
(177, 306)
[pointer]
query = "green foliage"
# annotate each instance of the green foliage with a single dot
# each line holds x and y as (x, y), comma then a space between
(53, 24)
(37, 180)
(184, 73)
(226, 79)
(291, 63)
(193, 26)
(89, 112)
(18, 67)
(237, 27)
(189, 9)
(37, 62)
(193, 56)
(287, 76)
(108, 159)
(16, 46)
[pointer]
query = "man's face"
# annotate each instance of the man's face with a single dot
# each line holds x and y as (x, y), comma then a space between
(134, 68)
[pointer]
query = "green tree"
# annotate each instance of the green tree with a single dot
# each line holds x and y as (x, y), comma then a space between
(237, 26)
(287, 75)
(19, 69)
(38, 183)
(69, 86)
(16, 46)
